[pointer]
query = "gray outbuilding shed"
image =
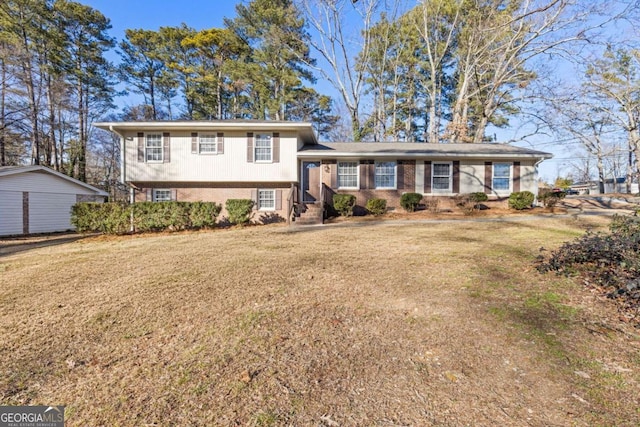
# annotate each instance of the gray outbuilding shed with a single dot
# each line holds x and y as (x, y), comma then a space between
(37, 199)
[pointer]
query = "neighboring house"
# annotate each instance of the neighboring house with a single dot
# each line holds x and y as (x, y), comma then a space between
(274, 163)
(610, 186)
(37, 199)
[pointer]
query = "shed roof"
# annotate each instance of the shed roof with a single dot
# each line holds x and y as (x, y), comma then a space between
(14, 170)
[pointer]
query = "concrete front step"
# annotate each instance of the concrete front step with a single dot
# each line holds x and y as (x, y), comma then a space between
(312, 215)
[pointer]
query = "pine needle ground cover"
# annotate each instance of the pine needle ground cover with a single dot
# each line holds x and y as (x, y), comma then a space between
(423, 324)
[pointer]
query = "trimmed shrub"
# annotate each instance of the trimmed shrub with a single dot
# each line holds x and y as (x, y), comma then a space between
(203, 214)
(109, 218)
(410, 201)
(115, 218)
(521, 200)
(344, 203)
(240, 211)
(376, 207)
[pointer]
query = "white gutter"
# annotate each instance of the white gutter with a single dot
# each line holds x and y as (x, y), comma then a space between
(401, 155)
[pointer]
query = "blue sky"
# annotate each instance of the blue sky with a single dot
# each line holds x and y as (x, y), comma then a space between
(151, 15)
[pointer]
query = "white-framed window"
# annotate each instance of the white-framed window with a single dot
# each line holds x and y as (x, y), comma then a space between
(153, 147)
(161, 195)
(441, 177)
(263, 148)
(347, 174)
(501, 177)
(207, 144)
(267, 200)
(385, 176)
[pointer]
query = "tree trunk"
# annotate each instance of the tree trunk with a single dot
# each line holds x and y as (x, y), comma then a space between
(3, 124)
(52, 146)
(600, 167)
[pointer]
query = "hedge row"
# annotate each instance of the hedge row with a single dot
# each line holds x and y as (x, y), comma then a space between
(116, 218)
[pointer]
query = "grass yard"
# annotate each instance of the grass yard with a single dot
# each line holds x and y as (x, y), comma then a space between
(392, 324)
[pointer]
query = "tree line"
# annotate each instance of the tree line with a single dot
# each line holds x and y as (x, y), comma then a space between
(433, 71)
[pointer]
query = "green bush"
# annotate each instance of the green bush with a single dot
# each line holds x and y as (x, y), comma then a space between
(154, 216)
(115, 218)
(376, 207)
(239, 210)
(109, 218)
(521, 200)
(203, 214)
(410, 201)
(344, 203)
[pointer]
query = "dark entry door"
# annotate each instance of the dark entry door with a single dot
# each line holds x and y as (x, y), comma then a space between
(310, 181)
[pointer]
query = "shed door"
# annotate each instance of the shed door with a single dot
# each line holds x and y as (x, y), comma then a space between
(10, 212)
(50, 212)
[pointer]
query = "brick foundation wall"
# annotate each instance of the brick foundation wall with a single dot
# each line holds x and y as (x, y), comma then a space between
(220, 193)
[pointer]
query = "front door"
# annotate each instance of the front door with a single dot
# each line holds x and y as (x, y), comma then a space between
(310, 181)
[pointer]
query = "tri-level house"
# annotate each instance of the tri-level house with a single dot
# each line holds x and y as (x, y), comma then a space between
(285, 170)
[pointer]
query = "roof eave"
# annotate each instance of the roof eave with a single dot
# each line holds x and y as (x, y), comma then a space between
(305, 129)
(330, 154)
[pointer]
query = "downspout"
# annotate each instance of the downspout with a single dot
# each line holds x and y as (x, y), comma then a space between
(535, 200)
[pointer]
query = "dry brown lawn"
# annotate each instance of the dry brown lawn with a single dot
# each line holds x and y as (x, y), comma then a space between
(371, 324)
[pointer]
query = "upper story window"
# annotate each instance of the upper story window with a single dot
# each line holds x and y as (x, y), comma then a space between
(385, 175)
(207, 144)
(441, 177)
(347, 174)
(263, 148)
(153, 147)
(501, 176)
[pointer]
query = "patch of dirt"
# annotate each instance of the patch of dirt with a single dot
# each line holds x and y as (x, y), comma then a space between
(421, 324)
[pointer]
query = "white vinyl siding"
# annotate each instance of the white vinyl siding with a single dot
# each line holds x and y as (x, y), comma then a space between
(267, 200)
(385, 176)
(347, 174)
(263, 148)
(228, 165)
(207, 144)
(10, 212)
(49, 212)
(153, 147)
(501, 177)
(441, 177)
